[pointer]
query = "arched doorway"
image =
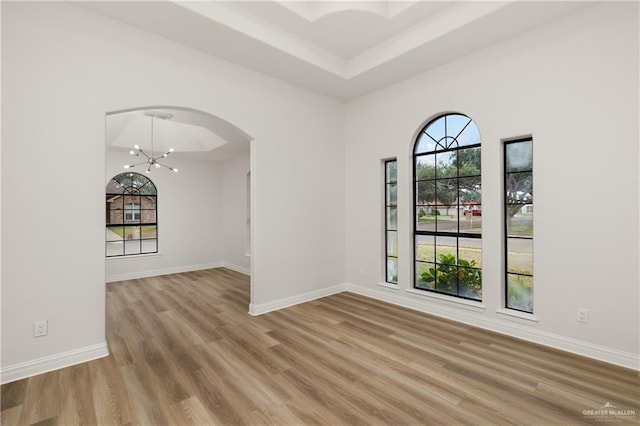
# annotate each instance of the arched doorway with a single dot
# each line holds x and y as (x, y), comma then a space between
(203, 209)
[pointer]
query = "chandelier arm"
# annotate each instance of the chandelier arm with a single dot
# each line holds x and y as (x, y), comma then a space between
(168, 167)
(137, 164)
(144, 153)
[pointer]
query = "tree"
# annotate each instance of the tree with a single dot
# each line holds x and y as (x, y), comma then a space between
(440, 189)
(519, 192)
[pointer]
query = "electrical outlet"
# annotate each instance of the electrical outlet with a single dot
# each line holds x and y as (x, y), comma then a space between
(583, 315)
(40, 328)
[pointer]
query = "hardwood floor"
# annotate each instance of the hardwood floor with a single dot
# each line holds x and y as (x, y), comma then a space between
(184, 351)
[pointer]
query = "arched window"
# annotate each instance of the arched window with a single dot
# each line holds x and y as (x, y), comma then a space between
(448, 207)
(131, 215)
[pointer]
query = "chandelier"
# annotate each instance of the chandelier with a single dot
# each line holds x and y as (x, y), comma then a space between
(152, 160)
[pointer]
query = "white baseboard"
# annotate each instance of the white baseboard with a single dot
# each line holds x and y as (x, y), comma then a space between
(164, 271)
(237, 268)
(52, 362)
(263, 308)
(511, 328)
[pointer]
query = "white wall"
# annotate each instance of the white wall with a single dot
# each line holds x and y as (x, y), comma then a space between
(573, 85)
(63, 68)
(190, 217)
(234, 223)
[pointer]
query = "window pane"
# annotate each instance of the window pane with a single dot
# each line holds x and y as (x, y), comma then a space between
(520, 255)
(113, 187)
(149, 231)
(471, 218)
(447, 278)
(148, 216)
(115, 248)
(426, 193)
(470, 190)
(424, 144)
(425, 275)
(447, 219)
(470, 282)
(470, 135)
(519, 188)
(130, 200)
(446, 192)
(446, 165)
(426, 218)
(114, 233)
(519, 156)
(392, 218)
(520, 220)
(392, 243)
(131, 232)
(437, 131)
(148, 203)
(391, 171)
(520, 292)
(392, 270)
(426, 167)
(455, 124)
(469, 161)
(446, 250)
(115, 202)
(148, 188)
(132, 247)
(392, 194)
(470, 252)
(425, 248)
(149, 246)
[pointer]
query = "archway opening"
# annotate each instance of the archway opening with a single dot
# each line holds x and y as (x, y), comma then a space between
(203, 211)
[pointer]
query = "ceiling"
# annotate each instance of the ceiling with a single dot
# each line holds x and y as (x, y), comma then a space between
(194, 135)
(343, 49)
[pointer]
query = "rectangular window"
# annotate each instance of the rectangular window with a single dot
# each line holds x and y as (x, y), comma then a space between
(391, 220)
(132, 212)
(518, 214)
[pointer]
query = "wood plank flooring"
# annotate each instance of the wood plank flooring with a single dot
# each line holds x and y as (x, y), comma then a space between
(184, 351)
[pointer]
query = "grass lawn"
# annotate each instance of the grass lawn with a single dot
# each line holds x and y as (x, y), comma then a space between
(519, 262)
(147, 231)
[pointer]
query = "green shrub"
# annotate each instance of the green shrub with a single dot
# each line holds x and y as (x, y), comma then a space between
(519, 295)
(463, 278)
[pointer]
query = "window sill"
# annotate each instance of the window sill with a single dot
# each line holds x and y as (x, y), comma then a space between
(133, 256)
(389, 285)
(517, 315)
(449, 300)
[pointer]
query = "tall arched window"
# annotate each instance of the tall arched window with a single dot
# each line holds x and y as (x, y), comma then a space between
(448, 207)
(131, 215)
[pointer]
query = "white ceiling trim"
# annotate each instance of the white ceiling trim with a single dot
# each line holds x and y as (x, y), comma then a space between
(274, 37)
(446, 21)
(312, 11)
(442, 23)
